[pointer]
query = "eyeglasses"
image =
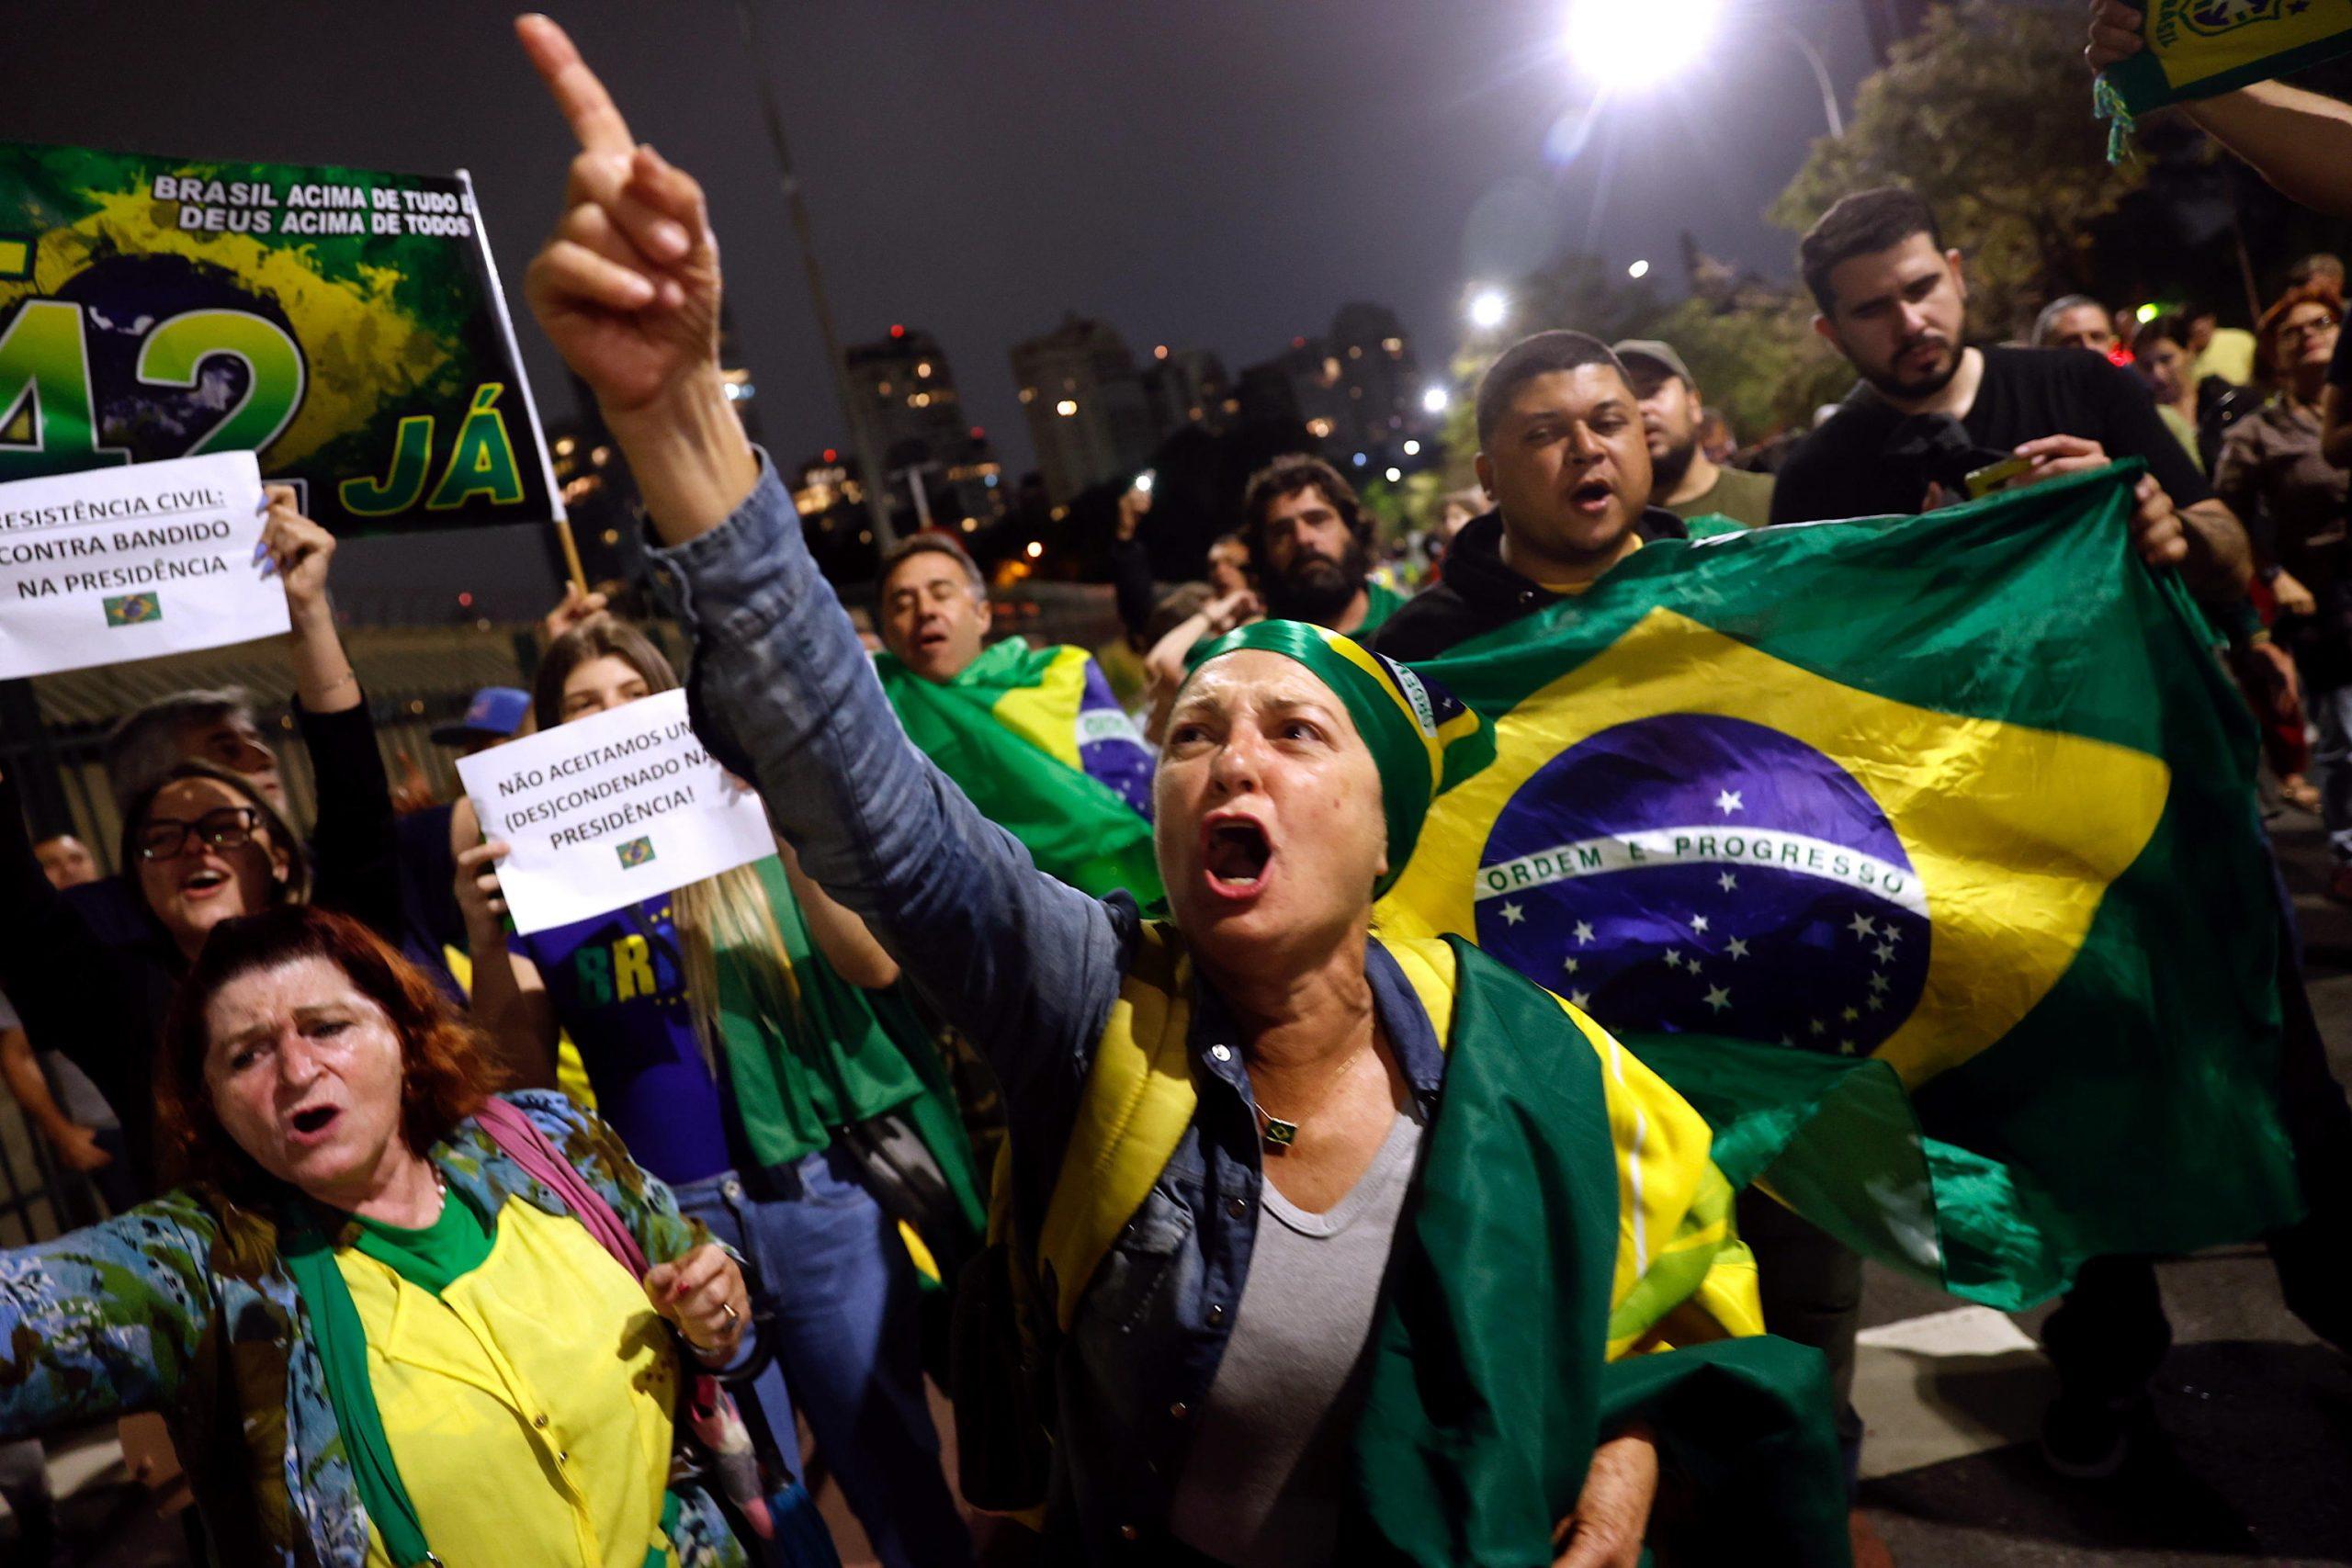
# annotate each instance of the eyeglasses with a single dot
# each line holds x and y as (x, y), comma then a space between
(165, 838)
(2295, 331)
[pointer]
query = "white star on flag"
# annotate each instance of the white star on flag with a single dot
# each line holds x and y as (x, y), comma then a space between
(1729, 802)
(1728, 882)
(1878, 982)
(1513, 914)
(1876, 1005)
(1738, 948)
(1572, 965)
(1862, 925)
(1885, 955)
(1673, 959)
(1584, 931)
(1580, 998)
(1698, 922)
(1851, 1015)
(1818, 1027)
(1718, 999)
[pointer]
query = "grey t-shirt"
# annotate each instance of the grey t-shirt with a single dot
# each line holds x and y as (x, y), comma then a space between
(1268, 1469)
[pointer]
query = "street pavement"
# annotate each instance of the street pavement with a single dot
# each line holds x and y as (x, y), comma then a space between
(2255, 1465)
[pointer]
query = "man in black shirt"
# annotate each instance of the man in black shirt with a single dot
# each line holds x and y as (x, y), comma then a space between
(1929, 411)
(1564, 459)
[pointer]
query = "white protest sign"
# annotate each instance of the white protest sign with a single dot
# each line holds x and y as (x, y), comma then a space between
(608, 809)
(122, 563)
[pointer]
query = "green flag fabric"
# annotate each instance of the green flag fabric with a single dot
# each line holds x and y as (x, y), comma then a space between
(1920, 855)
(1017, 730)
(1490, 1386)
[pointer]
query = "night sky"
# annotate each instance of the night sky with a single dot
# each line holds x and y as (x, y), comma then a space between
(1215, 172)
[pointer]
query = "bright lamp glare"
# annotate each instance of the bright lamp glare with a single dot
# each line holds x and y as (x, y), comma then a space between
(1488, 309)
(1435, 399)
(1639, 269)
(1619, 45)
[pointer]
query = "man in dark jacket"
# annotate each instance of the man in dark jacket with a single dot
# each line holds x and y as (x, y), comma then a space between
(1563, 456)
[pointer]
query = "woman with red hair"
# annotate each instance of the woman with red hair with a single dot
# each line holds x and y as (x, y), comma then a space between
(386, 1310)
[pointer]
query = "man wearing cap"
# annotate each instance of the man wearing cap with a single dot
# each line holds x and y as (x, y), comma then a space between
(495, 714)
(1683, 479)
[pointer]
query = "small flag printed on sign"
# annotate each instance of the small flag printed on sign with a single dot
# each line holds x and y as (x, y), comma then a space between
(133, 609)
(636, 852)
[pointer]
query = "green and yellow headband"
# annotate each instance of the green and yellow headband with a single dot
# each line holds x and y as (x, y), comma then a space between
(1422, 741)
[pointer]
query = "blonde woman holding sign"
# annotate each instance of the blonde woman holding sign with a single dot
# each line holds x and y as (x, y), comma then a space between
(740, 1034)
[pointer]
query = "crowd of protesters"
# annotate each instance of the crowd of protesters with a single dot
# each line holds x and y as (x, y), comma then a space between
(434, 1242)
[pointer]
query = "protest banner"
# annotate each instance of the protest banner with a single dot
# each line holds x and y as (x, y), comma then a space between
(129, 563)
(609, 809)
(344, 325)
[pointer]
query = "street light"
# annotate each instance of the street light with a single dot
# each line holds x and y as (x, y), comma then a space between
(1639, 269)
(1622, 46)
(1637, 46)
(1488, 309)
(1436, 399)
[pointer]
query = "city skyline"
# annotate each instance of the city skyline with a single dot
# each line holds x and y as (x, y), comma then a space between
(983, 172)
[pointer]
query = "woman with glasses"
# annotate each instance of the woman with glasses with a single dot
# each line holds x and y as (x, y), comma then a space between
(2273, 474)
(200, 844)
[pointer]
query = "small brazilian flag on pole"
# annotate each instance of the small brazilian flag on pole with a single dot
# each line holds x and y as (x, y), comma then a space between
(1920, 854)
(2199, 49)
(133, 609)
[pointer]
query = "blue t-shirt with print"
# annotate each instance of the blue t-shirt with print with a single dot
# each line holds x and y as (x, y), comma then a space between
(615, 983)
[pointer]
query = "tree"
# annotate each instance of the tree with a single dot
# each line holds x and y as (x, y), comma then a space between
(1986, 114)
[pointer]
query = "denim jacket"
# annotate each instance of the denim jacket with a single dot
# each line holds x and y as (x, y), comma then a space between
(182, 1305)
(1028, 967)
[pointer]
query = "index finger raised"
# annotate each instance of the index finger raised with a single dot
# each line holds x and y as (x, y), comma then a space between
(593, 118)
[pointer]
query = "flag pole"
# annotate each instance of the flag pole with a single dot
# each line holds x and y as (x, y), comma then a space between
(571, 551)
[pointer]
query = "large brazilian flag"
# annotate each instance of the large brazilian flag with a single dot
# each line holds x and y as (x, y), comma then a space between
(1920, 854)
(1036, 740)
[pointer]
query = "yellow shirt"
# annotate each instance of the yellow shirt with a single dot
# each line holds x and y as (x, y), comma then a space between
(2229, 355)
(528, 1406)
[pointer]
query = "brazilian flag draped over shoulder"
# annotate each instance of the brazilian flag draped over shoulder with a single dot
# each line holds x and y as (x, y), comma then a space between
(1919, 854)
(1036, 740)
